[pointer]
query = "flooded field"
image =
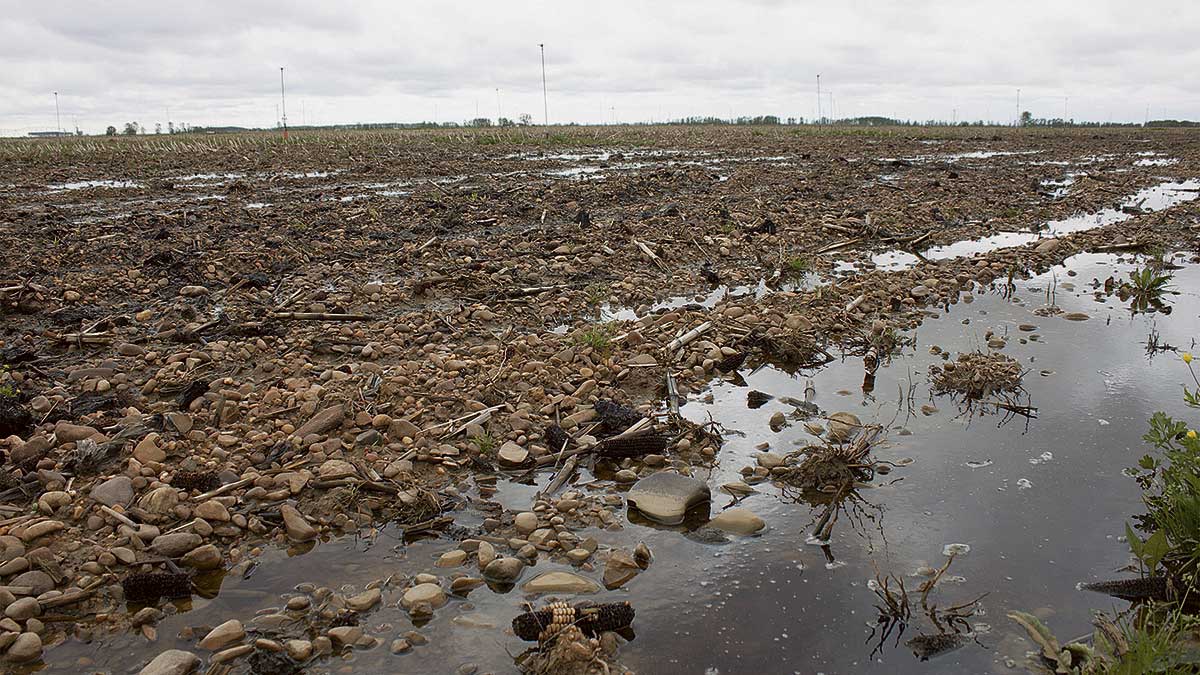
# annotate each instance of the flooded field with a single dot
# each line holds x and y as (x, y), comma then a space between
(362, 414)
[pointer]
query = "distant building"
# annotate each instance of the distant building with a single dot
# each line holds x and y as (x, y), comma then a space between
(50, 134)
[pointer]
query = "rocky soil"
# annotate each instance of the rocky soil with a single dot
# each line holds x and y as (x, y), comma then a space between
(224, 344)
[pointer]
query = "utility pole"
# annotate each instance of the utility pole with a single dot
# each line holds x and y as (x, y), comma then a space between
(1018, 122)
(57, 117)
(283, 102)
(1065, 118)
(955, 120)
(545, 100)
(1146, 121)
(499, 113)
(818, 98)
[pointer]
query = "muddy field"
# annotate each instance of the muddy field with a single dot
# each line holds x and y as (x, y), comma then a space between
(808, 401)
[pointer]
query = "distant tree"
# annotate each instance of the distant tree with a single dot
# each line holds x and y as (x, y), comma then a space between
(525, 120)
(1026, 118)
(170, 127)
(158, 127)
(480, 122)
(111, 131)
(131, 129)
(505, 122)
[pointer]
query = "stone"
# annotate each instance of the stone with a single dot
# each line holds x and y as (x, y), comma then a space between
(147, 450)
(160, 500)
(114, 491)
(66, 432)
(41, 529)
(464, 585)
(322, 422)
(777, 422)
(1047, 246)
(665, 496)
(206, 557)
(526, 522)
(298, 529)
(451, 558)
(212, 511)
(222, 636)
(486, 554)
(172, 662)
(919, 291)
(769, 460)
(626, 476)
(336, 468)
(424, 593)
(738, 521)
(300, 650)
(619, 569)
(560, 582)
(512, 454)
(504, 570)
(175, 544)
(26, 648)
(345, 635)
(37, 580)
(365, 600)
(842, 426)
(23, 608)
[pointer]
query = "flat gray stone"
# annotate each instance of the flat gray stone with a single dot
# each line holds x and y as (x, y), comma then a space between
(118, 490)
(666, 496)
(560, 582)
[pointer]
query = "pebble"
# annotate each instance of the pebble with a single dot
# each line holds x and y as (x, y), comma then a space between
(175, 544)
(526, 522)
(451, 558)
(504, 570)
(424, 593)
(298, 529)
(26, 648)
(23, 608)
(365, 600)
(223, 635)
(114, 491)
(512, 454)
(738, 521)
(172, 662)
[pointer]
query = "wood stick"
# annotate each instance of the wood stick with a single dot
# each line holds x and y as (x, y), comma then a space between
(689, 336)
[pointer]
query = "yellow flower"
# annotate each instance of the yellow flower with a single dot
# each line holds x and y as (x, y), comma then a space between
(1187, 357)
(1191, 434)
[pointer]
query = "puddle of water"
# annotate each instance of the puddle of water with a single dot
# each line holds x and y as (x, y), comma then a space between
(1026, 532)
(208, 177)
(710, 299)
(86, 184)
(1157, 198)
(1157, 161)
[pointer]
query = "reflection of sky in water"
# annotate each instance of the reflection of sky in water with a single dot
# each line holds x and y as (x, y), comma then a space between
(1029, 547)
(1157, 198)
(754, 604)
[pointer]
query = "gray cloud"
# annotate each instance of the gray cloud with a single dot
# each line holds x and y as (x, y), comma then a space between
(217, 62)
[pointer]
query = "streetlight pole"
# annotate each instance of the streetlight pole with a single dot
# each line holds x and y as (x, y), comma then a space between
(57, 116)
(283, 102)
(545, 100)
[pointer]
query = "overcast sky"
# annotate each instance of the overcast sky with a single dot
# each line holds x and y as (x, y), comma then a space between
(217, 62)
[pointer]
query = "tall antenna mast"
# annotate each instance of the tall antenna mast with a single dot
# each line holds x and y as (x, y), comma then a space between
(283, 102)
(58, 118)
(545, 100)
(1018, 122)
(499, 113)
